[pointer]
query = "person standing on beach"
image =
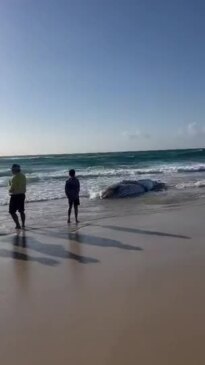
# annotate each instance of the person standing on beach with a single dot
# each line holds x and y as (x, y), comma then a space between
(17, 190)
(72, 190)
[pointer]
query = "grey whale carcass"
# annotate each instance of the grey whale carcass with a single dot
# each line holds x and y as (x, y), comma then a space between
(128, 188)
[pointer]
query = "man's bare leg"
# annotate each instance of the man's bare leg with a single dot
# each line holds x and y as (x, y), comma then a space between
(69, 211)
(76, 213)
(16, 220)
(23, 218)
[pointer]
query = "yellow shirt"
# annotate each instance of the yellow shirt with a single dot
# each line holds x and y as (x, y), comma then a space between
(17, 184)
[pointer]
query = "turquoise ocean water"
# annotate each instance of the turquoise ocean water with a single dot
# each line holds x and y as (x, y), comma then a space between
(182, 170)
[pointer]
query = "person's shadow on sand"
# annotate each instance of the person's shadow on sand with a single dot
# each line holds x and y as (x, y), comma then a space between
(54, 250)
(59, 251)
(24, 257)
(102, 242)
(143, 231)
(93, 240)
(20, 241)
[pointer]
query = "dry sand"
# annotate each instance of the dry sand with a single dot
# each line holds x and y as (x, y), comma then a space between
(121, 291)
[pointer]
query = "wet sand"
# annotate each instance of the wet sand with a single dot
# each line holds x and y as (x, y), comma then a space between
(127, 290)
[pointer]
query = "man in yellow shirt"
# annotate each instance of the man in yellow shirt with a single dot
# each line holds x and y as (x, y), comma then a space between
(17, 190)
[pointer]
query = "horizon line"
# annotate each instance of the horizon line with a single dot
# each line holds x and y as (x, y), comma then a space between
(98, 153)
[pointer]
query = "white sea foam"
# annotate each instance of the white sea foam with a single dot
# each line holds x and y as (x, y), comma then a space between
(191, 184)
(51, 173)
(48, 183)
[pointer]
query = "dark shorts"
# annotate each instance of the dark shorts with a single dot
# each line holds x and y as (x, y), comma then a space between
(74, 202)
(16, 203)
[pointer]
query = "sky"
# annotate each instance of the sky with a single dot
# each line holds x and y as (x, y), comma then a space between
(101, 75)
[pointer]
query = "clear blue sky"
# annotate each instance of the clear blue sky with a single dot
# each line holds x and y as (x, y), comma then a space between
(101, 75)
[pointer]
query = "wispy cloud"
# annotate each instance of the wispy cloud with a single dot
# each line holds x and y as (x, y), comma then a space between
(195, 129)
(192, 130)
(135, 135)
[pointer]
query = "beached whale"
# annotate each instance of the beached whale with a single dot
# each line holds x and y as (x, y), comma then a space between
(129, 188)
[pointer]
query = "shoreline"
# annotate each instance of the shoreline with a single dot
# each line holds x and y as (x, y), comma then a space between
(53, 213)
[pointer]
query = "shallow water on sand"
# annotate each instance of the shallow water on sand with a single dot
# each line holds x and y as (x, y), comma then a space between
(54, 213)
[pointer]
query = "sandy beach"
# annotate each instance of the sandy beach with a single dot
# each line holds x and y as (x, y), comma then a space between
(102, 122)
(123, 290)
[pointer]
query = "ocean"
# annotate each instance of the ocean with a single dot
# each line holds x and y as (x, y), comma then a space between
(182, 170)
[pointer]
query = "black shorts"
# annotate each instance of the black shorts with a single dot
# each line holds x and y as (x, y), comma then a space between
(16, 203)
(74, 202)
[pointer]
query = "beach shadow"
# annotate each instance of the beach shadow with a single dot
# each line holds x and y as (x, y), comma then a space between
(54, 250)
(93, 240)
(24, 257)
(20, 240)
(102, 242)
(59, 251)
(143, 231)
